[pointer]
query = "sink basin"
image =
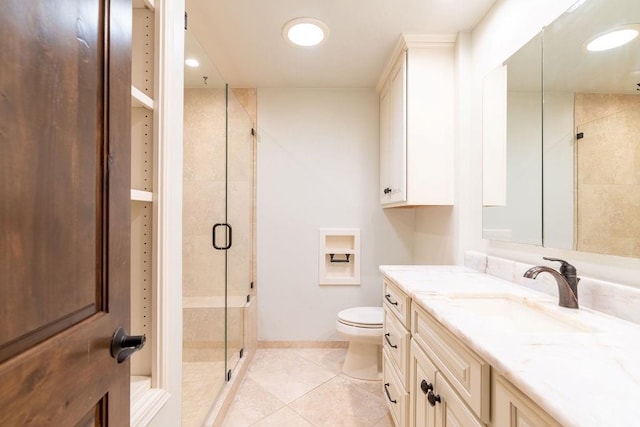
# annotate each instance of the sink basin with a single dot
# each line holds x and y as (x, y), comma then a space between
(509, 314)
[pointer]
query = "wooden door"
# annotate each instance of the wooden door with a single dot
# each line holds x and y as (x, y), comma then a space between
(64, 210)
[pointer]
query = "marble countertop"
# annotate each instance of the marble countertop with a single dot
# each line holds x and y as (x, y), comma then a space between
(589, 377)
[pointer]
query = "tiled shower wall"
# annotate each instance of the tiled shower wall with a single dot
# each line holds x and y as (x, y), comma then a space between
(608, 177)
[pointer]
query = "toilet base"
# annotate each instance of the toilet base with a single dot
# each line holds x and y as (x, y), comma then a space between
(363, 361)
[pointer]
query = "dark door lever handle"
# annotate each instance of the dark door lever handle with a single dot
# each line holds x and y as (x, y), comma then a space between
(123, 345)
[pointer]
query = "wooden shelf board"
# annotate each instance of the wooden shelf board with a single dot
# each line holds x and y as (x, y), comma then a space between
(139, 99)
(141, 196)
(149, 4)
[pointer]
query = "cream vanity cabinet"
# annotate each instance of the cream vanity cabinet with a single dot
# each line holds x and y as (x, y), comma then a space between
(395, 352)
(431, 378)
(416, 123)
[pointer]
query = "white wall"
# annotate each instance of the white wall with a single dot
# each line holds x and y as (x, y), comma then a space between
(318, 168)
(507, 27)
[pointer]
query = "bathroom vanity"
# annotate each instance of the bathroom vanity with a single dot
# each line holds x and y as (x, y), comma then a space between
(465, 348)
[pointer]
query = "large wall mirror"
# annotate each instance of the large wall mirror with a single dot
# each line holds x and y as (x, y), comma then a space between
(591, 120)
(590, 136)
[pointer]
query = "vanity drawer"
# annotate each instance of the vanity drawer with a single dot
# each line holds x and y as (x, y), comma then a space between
(396, 396)
(512, 408)
(396, 343)
(398, 302)
(467, 373)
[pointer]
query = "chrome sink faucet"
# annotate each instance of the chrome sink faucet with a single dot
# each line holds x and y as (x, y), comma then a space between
(567, 280)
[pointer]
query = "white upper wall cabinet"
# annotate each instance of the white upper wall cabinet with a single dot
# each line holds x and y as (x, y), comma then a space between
(417, 122)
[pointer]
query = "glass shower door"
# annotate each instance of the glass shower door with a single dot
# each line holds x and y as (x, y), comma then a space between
(239, 215)
(204, 267)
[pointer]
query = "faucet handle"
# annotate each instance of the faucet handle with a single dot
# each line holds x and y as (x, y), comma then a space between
(566, 269)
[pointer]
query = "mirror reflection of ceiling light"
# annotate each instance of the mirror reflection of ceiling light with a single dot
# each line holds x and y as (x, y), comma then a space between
(612, 39)
(192, 62)
(305, 32)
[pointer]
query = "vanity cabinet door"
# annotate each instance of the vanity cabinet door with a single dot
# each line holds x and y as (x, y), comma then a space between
(422, 379)
(451, 411)
(511, 408)
(466, 372)
(433, 402)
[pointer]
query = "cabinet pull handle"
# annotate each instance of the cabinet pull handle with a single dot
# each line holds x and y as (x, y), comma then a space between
(426, 387)
(388, 298)
(386, 390)
(433, 398)
(386, 337)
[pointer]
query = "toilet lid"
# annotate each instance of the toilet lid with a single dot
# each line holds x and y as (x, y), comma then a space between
(362, 316)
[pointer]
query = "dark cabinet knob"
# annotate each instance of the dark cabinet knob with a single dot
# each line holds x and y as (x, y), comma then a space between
(426, 387)
(433, 398)
(387, 190)
(123, 345)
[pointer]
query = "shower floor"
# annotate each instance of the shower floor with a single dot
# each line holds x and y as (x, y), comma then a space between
(201, 384)
(203, 377)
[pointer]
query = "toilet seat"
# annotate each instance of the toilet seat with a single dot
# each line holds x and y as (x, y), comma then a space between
(362, 317)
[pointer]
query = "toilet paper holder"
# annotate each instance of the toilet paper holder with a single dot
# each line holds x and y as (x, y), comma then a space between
(332, 259)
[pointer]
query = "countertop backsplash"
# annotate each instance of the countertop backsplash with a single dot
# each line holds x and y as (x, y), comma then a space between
(617, 300)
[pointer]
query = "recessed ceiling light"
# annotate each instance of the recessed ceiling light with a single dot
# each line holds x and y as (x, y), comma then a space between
(305, 32)
(192, 62)
(613, 38)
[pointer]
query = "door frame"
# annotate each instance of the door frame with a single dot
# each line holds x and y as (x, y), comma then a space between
(165, 400)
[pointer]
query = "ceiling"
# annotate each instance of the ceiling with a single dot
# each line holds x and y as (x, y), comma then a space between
(243, 37)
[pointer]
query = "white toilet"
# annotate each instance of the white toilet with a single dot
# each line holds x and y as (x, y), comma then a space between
(362, 326)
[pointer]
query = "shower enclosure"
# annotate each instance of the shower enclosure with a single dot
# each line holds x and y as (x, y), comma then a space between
(218, 230)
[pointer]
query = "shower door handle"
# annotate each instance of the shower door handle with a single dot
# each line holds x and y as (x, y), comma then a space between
(213, 236)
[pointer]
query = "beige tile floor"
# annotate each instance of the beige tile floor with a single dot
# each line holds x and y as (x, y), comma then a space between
(304, 387)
